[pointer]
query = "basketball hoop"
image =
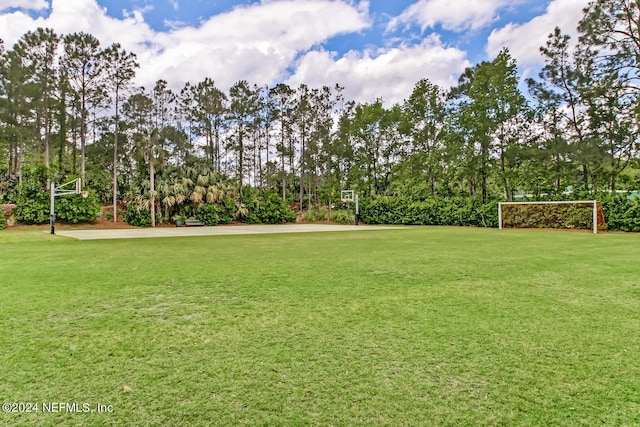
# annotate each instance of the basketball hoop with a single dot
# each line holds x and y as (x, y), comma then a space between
(68, 188)
(346, 196)
(350, 196)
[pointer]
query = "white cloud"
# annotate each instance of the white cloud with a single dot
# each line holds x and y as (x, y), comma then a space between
(452, 15)
(386, 73)
(263, 43)
(70, 16)
(24, 4)
(256, 42)
(524, 41)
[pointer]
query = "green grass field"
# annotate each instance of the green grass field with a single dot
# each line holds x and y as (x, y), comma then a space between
(419, 326)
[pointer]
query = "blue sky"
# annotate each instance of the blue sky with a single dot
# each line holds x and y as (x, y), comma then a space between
(375, 48)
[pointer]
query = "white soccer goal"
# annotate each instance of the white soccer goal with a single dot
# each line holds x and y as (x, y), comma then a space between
(574, 214)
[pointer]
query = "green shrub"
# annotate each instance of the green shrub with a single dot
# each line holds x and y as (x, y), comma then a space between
(226, 211)
(274, 210)
(249, 198)
(208, 213)
(620, 213)
(315, 215)
(342, 216)
(34, 209)
(461, 211)
(631, 216)
(488, 213)
(137, 218)
(548, 216)
(34, 206)
(561, 216)
(3, 221)
(75, 208)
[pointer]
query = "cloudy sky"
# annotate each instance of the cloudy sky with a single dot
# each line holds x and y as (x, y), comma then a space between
(375, 48)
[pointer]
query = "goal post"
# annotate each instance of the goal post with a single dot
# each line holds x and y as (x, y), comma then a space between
(572, 214)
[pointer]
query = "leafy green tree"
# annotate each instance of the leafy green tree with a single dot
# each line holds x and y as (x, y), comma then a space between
(610, 42)
(563, 82)
(344, 146)
(615, 124)
(139, 110)
(365, 129)
(551, 166)
(302, 122)
(119, 71)
(321, 144)
(83, 65)
(264, 125)
(488, 98)
(243, 108)
(611, 28)
(423, 123)
(206, 107)
(282, 98)
(37, 50)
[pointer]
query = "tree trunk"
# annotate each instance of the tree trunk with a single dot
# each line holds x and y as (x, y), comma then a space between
(284, 172)
(301, 193)
(115, 164)
(62, 119)
(152, 189)
(83, 138)
(240, 158)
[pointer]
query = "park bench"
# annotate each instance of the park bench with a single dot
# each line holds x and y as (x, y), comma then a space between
(193, 222)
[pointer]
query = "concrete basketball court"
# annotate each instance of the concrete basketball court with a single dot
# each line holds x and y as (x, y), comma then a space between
(141, 233)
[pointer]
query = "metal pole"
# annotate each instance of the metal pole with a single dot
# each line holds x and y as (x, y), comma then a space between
(595, 217)
(357, 211)
(52, 213)
(500, 216)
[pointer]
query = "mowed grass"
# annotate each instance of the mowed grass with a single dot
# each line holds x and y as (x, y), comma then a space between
(419, 326)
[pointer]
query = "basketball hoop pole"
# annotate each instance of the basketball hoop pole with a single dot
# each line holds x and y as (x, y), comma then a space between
(357, 211)
(61, 191)
(52, 212)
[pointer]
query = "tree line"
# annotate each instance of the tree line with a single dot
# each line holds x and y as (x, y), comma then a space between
(68, 108)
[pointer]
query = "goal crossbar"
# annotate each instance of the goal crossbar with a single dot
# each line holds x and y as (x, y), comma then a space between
(594, 203)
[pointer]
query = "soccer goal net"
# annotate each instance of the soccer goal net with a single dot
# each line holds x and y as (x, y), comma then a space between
(577, 215)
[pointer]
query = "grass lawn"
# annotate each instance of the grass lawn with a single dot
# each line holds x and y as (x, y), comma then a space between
(419, 326)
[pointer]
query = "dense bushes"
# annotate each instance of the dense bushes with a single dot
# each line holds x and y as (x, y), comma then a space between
(568, 216)
(74, 208)
(434, 211)
(273, 210)
(217, 213)
(620, 213)
(340, 216)
(267, 208)
(137, 218)
(208, 213)
(35, 208)
(3, 221)
(316, 215)
(251, 208)
(226, 211)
